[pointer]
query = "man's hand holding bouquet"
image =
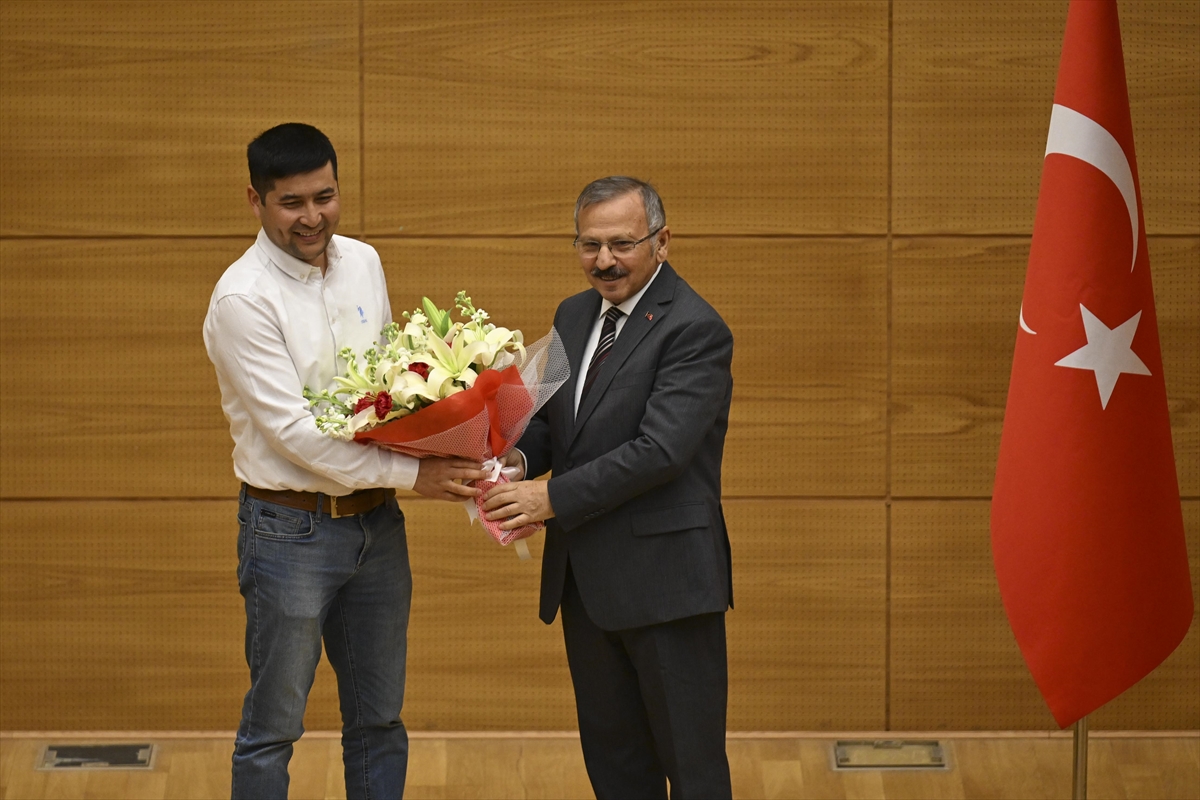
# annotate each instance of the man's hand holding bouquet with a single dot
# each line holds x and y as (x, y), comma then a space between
(434, 387)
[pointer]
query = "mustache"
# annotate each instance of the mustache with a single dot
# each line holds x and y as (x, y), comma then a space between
(611, 273)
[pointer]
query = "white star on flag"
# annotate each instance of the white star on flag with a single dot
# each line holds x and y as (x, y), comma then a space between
(1108, 352)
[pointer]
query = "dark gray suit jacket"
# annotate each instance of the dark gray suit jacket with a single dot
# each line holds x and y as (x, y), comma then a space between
(636, 484)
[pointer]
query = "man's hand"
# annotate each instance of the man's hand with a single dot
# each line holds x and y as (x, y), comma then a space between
(515, 458)
(438, 478)
(524, 501)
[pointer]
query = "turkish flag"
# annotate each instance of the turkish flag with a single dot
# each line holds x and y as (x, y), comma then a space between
(1087, 528)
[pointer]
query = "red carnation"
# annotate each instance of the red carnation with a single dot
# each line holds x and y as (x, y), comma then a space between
(421, 368)
(364, 402)
(383, 404)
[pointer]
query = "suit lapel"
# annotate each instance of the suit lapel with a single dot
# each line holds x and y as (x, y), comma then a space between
(650, 311)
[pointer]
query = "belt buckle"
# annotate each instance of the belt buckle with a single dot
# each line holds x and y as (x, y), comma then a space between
(333, 509)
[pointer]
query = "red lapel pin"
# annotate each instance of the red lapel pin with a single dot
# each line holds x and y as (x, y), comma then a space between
(650, 317)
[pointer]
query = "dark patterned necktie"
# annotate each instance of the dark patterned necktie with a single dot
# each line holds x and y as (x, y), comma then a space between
(608, 335)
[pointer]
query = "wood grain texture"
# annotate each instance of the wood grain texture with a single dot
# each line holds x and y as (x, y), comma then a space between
(955, 664)
(806, 636)
(973, 89)
(120, 614)
(465, 131)
(126, 615)
(809, 320)
(809, 360)
(808, 416)
(112, 331)
(750, 117)
(952, 357)
(133, 117)
(552, 767)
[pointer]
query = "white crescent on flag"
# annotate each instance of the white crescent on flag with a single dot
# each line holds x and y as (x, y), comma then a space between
(1025, 327)
(1073, 134)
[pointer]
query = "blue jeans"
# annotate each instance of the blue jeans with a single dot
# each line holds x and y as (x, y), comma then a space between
(306, 576)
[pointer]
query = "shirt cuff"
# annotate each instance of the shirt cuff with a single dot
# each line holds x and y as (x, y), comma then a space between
(404, 471)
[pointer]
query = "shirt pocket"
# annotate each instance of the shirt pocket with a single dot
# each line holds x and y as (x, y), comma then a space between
(283, 524)
(689, 516)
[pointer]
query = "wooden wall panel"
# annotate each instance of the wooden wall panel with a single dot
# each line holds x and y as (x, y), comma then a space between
(808, 413)
(465, 131)
(973, 87)
(133, 117)
(953, 347)
(809, 320)
(750, 117)
(954, 329)
(806, 636)
(126, 615)
(955, 664)
(107, 390)
(809, 362)
(120, 615)
(478, 656)
(1175, 264)
(808, 417)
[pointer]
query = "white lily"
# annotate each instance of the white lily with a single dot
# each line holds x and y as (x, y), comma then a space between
(410, 387)
(361, 420)
(504, 360)
(497, 340)
(414, 335)
(453, 362)
(455, 353)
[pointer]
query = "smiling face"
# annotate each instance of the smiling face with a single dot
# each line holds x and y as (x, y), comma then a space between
(620, 276)
(300, 213)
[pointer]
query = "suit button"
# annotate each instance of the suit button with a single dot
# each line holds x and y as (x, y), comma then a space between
(570, 465)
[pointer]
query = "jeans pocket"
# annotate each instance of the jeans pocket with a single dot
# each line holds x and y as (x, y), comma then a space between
(394, 507)
(276, 522)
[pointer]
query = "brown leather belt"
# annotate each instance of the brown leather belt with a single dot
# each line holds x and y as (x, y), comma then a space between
(345, 506)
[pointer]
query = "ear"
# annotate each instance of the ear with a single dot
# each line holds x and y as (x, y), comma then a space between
(664, 239)
(255, 202)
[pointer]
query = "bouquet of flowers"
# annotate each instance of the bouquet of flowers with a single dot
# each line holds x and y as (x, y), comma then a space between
(439, 388)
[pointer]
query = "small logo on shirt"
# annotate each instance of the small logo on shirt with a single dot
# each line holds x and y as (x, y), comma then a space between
(362, 316)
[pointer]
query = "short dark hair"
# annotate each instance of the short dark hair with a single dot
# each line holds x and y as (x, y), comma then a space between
(614, 186)
(288, 149)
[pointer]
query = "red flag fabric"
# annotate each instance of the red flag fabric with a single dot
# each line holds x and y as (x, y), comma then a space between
(1086, 523)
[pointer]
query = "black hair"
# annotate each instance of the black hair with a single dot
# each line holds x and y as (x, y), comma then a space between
(288, 149)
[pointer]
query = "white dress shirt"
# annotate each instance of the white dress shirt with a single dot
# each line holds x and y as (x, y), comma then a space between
(274, 326)
(626, 309)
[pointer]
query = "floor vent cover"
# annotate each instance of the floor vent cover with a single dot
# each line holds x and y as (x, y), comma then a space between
(97, 756)
(889, 754)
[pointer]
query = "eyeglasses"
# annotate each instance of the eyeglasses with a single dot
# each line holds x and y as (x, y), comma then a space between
(589, 248)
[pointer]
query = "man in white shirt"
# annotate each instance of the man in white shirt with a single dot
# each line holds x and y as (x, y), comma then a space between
(322, 552)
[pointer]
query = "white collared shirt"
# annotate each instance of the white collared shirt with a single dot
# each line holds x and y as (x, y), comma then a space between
(626, 308)
(274, 326)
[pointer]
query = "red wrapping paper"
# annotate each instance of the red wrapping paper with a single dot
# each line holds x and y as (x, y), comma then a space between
(479, 423)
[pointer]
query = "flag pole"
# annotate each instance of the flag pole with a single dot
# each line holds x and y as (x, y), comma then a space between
(1079, 771)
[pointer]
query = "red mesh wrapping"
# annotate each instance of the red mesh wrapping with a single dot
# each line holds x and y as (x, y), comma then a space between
(482, 422)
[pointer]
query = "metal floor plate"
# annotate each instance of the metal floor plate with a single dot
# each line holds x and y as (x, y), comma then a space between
(97, 756)
(889, 754)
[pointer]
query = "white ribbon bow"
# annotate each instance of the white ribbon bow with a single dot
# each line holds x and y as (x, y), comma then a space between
(495, 468)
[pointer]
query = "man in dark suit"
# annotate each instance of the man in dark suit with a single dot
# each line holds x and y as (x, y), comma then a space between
(636, 553)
